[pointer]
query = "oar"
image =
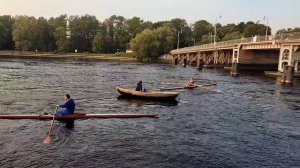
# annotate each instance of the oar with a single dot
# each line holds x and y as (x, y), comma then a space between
(177, 88)
(209, 84)
(47, 139)
(213, 90)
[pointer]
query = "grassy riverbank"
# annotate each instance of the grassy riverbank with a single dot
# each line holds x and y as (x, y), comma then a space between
(80, 56)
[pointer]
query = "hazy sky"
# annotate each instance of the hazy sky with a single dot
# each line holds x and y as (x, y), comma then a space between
(281, 13)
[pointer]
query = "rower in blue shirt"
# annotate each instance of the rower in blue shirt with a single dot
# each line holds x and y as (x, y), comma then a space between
(67, 108)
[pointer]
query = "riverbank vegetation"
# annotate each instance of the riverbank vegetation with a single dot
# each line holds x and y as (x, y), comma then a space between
(116, 34)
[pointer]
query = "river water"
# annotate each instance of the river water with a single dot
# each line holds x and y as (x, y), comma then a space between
(253, 122)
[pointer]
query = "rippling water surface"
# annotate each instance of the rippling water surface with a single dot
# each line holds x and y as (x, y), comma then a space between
(254, 122)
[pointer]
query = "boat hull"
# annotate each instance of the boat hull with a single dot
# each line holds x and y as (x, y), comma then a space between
(190, 87)
(163, 96)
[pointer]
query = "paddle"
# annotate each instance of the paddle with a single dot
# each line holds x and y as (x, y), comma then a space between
(212, 90)
(47, 139)
(209, 84)
(177, 88)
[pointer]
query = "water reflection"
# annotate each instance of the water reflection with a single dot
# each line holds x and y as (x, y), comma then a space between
(140, 102)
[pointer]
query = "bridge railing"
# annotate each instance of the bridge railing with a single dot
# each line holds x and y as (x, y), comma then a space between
(282, 37)
(288, 36)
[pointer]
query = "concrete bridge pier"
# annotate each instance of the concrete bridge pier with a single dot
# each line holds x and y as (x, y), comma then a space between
(235, 63)
(184, 60)
(188, 58)
(200, 64)
(235, 70)
(176, 60)
(192, 58)
(288, 75)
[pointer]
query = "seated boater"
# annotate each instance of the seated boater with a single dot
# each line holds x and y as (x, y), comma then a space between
(140, 87)
(190, 83)
(67, 108)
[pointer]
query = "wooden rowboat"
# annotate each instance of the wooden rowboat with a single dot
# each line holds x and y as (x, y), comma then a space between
(76, 116)
(147, 95)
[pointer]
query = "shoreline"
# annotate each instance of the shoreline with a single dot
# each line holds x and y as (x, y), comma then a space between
(75, 56)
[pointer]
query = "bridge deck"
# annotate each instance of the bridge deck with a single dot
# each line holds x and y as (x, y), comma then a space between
(257, 42)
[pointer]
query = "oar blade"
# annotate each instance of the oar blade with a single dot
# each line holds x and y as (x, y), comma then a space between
(166, 89)
(47, 140)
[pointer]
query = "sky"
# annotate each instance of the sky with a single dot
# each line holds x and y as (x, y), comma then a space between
(280, 13)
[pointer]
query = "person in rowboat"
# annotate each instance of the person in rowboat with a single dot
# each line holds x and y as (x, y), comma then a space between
(67, 108)
(140, 87)
(190, 82)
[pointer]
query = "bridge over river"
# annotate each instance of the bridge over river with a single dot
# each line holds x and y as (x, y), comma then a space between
(267, 52)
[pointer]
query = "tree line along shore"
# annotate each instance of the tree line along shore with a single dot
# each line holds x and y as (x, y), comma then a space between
(116, 34)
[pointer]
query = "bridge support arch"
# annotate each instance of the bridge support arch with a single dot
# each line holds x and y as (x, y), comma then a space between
(289, 60)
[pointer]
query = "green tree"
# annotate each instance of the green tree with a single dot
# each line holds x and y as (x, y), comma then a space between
(43, 36)
(252, 29)
(150, 44)
(202, 28)
(233, 36)
(60, 31)
(98, 43)
(23, 34)
(241, 27)
(145, 45)
(82, 31)
(135, 25)
(61, 40)
(226, 30)
(165, 37)
(297, 29)
(185, 32)
(6, 26)
(115, 33)
(159, 24)
(32, 34)
(206, 39)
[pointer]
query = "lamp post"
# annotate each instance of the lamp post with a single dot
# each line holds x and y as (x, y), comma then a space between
(267, 20)
(179, 32)
(194, 40)
(216, 29)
